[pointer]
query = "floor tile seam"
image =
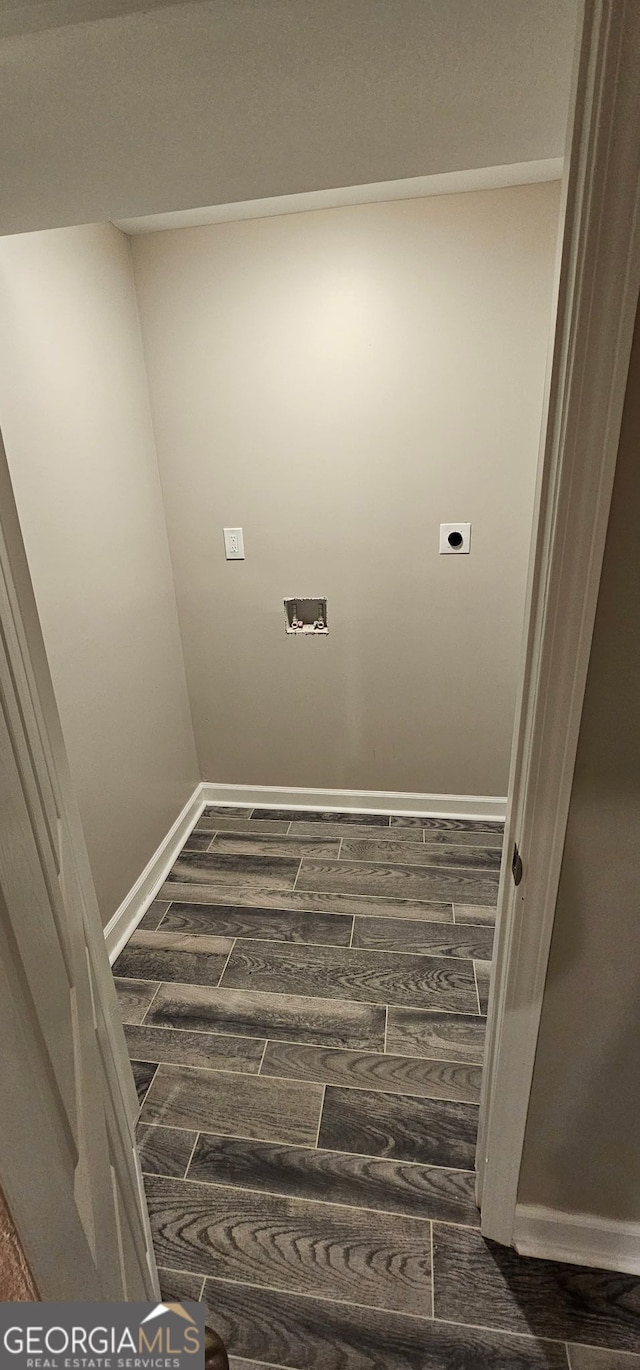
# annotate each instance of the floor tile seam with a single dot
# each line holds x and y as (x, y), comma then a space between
(281, 941)
(187, 1065)
(324, 1095)
(229, 955)
(153, 996)
(433, 1280)
(289, 1041)
(264, 1052)
(300, 1199)
(311, 894)
(323, 1084)
(143, 1099)
(297, 876)
(195, 1143)
(336, 999)
(203, 1032)
(285, 994)
(475, 978)
(312, 1151)
(510, 1332)
(338, 946)
(439, 1062)
(413, 866)
(423, 847)
(322, 1298)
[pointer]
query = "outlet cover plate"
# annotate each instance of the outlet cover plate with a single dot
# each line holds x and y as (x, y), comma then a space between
(463, 530)
(233, 544)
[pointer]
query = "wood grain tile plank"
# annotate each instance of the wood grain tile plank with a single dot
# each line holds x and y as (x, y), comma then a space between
(474, 913)
(592, 1358)
(235, 1105)
(340, 973)
(443, 1036)
(387, 1186)
(479, 1281)
(167, 955)
(213, 823)
(430, 1131)
(432, 939)
(282, 1017)
(396, 881)
(456, 837)
(428, 854)
(134, 997)
(227, 811)
(263, 844)
(250, 872)
(291, 1244)
(365, 820)
(348, 829)
(366, 1070)
(269, 924)
(164, 1150)
(209, 1049)
(447, 825)
(315, 1334)
(310, 902)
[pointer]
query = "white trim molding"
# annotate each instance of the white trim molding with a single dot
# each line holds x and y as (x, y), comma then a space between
(577, 1238)
(598, 292)
(378, 192)
(467, 806)
(141, 895)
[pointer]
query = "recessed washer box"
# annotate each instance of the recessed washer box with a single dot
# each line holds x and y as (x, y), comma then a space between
(307, 617)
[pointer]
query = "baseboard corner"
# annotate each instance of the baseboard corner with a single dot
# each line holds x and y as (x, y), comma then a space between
(141, 895)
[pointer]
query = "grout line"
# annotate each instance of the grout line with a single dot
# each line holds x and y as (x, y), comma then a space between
(340, 841)
(144, 982)
(297, 875)
(213, 838)
(353, 928)
(264, 1052)
(386, 1028)
(324, 1095)
(300, 1198)
(223, 968)
(475, 980)
(310, 1150)
(535, 1338)
(201, 1294)
(330, 1299)
(312, 895)
(186, 1170)
(320, 1084)
(431, 954)
(318, 998)
(433, 1278)
(568, 1355)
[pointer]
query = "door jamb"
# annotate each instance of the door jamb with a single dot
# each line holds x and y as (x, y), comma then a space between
(598, 289)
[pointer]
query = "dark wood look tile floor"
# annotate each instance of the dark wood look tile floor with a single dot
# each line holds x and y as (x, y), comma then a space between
(305, 1010)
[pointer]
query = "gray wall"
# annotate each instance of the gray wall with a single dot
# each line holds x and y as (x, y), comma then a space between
(74, 413)
(200, 104)
(581, 1150)
(339, 383)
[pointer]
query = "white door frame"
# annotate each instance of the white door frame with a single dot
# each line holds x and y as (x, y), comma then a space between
(598, 287)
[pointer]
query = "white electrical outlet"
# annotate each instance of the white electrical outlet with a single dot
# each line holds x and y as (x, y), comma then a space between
(455, 537)
(233, 544)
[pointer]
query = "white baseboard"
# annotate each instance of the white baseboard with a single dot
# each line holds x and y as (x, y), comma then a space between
(369, 801)
(136, 902)
(579, 1238)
